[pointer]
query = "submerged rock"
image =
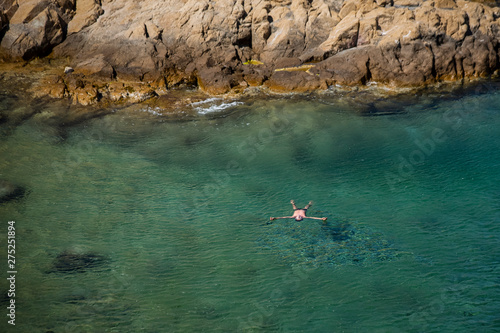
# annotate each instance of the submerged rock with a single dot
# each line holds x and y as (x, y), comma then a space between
(331, 244)
(71, 262)
(4, 298)
(10, 191)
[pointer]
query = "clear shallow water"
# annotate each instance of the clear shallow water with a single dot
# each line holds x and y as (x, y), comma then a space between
(180, 210)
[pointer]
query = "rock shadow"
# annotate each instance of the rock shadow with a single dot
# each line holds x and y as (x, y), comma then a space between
(339, 232)
(10, 191)
(332, 244)
(71, 262)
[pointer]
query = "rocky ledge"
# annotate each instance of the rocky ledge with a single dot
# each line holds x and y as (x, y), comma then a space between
(135, 50)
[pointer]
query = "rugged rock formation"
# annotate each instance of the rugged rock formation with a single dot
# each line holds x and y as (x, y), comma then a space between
(124, 49)
(34, 27)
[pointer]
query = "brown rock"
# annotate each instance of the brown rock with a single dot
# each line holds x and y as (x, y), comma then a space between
(287, 62)
(417, 63)
(477, 56)
(213, 81)
(348, 67)
(445, 62)
(115, 91)
(3, 21)
(87, 13)
(28, 10)
(410, 64)
(255, 78)
(320, 21)
(33, 30)
(343, 36)
(167, 43)
(9, 8)
(407, 3)
(51, 85)
(447, 4)
(85, 96)
(295, 81)
(96, 66)
(66, 5)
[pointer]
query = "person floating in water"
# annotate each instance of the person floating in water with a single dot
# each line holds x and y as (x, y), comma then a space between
(299, 214)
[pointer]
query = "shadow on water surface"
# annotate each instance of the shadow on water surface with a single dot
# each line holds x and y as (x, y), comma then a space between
(72, 262)
(331, 244)
(10, 191)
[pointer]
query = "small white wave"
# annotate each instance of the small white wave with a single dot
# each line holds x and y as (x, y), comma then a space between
(154, 111)
(206, 101)
(211, 105)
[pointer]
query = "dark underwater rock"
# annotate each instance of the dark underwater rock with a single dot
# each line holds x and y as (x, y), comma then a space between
(10, 191)
(70, 262)
(4, 297)
(332, 244)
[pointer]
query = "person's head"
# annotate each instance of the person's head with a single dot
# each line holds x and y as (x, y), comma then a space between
(299, 218)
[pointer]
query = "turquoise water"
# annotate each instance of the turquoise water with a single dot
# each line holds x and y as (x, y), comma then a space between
(179, 208)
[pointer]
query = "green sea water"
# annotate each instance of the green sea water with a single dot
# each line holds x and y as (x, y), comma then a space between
(178, 209)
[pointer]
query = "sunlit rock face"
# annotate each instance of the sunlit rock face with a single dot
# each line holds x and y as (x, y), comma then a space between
(227, 45)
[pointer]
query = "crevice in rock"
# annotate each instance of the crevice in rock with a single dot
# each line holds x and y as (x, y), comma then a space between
(356, 38)
(461, 64)
(245, 41)
(396, 55)
(455, 69)
(467, 23)
(368, 72)
(440, 39)
(433, 67)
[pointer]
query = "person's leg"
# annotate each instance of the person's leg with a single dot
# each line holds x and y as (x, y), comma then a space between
(293, 204)
(308, 205)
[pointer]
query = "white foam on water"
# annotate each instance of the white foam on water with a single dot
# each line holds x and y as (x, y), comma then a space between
(154, 111)
(212, 105)
(206, 101)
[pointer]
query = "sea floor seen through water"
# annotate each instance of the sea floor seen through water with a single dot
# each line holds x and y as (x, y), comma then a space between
(137, 222)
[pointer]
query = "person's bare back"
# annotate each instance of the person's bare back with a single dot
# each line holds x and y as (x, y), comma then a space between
(299, 214)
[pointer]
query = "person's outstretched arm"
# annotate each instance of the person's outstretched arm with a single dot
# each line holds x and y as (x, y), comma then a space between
(316, 218)
(283, 217)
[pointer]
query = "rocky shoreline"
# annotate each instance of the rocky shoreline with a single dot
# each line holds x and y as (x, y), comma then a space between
(92, 51)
